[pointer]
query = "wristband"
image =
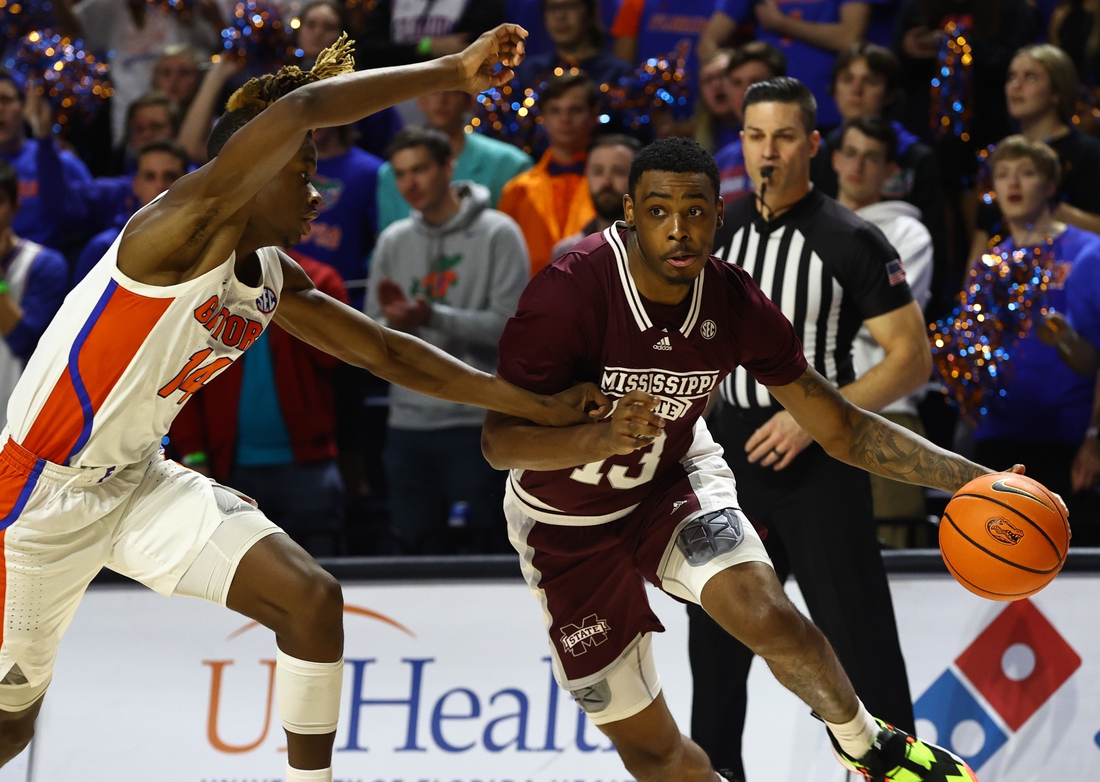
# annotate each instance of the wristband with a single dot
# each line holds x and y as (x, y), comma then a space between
(191, 459)
(1092, 433)
(4, 286)
(425, 46)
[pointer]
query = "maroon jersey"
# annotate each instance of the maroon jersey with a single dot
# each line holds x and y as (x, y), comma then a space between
(582, 318)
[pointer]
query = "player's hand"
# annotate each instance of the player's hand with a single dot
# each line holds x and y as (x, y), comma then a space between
(769, 15)
(1019, 469)
(503, 45)
(588, 399)
(634, 423)
(776, 443)
(1086, 466)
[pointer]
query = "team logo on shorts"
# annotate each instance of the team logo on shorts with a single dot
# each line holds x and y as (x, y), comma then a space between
(708, 329)
(267, 301)
(593, 631)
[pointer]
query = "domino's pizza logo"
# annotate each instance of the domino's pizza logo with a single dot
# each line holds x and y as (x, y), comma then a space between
(996, 685)
(267, 301)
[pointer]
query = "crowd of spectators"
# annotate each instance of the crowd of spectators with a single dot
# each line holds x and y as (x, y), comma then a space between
(434, 228)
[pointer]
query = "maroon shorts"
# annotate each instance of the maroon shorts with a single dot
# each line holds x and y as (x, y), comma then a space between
(590, 578)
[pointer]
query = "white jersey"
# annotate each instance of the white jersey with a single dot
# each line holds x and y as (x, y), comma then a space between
(121, 358)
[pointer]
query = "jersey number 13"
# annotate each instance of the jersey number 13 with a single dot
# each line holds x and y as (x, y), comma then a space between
(617, 476)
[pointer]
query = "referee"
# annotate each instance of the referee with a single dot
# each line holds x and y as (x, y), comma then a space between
(829, 271)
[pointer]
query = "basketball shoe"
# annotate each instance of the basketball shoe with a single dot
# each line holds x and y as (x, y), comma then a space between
(898, 757)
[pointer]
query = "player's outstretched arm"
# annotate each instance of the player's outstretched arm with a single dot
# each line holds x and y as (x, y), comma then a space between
(334, 327)
(198, 203)
(511, 443)
(868, 441)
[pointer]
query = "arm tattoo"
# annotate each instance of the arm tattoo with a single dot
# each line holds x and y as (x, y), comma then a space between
(812, 387)
(884, 449)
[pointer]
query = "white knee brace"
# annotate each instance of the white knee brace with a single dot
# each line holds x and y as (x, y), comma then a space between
(308, 694)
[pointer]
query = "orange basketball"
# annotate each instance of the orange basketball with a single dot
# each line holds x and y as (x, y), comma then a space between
(1003, 536)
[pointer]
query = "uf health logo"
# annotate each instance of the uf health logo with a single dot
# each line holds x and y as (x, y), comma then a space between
(996, 684)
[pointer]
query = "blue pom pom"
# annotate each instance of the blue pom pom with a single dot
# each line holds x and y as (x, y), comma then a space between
(73, 81)
(257, 35)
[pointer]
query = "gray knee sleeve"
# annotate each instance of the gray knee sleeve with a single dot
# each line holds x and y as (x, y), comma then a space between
(709, 536)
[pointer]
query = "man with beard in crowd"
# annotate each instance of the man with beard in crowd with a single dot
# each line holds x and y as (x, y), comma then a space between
(607, 172)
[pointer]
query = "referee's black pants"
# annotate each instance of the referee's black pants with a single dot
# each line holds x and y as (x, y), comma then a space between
(820, 528)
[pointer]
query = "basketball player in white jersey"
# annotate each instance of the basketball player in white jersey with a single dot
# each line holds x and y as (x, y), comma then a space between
(193, 280)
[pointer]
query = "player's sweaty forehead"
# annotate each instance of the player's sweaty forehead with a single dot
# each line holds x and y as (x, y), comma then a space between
(671, 186)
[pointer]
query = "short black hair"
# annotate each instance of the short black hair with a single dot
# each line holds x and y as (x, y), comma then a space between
(9, 182)
(436, 142)
(762, 52)
(592, 9)
(879, 59)
(784, 89)
(557, 86)
(168, 146)
(615, 140)
(873, 127)
(678, 155)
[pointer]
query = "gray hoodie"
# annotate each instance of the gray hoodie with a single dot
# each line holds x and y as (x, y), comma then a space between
(473, 269)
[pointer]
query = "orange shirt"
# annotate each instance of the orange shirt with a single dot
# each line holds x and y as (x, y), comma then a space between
(548, 207)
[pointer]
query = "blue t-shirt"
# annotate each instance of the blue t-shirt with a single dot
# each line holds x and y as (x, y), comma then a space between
(483, 160)
(731, 167)
(667, 24)
(604, 68)
(35, 221)
(44, 290)
(1045, 399)
(343, 236)
(377, 130)
(93, 252)
(880, 27)
(807, 63)
(262, 437)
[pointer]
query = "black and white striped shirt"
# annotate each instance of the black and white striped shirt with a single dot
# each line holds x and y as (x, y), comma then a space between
(827, 270)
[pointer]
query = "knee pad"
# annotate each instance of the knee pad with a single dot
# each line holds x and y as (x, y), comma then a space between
(709, 536)
(631, 686)
(210, 576)
(308, 694)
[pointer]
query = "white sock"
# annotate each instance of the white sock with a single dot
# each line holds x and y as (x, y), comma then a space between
(314, 775)
(857, 735)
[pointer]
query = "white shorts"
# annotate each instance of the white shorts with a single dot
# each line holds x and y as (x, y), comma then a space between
(591, 579)
(61, 525)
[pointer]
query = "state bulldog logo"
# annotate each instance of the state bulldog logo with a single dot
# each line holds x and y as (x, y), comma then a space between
(592, 631)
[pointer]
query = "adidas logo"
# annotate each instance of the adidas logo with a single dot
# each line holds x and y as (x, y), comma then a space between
(664, 344)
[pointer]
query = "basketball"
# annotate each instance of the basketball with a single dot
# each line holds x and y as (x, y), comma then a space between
(1003, 536)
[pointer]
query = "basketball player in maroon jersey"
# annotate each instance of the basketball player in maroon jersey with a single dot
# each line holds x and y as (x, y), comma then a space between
(646, 312)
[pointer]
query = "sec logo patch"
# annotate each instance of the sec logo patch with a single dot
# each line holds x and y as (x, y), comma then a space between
(708, 329)
(267, 301)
